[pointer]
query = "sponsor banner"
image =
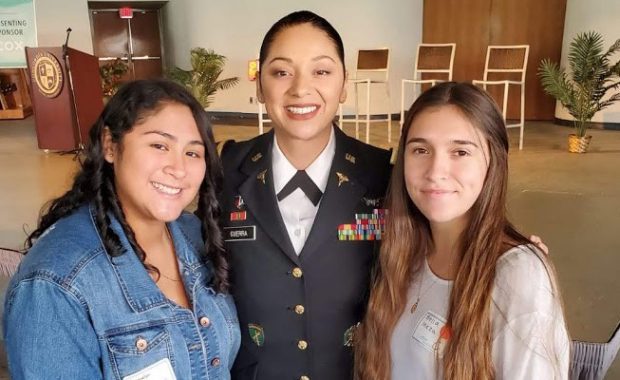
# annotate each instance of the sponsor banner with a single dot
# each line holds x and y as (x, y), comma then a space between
(17, 30)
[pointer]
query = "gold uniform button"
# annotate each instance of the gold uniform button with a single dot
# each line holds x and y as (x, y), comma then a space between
(304, 377)
(204, 322)
(302, 345)
(141, 344)
(300, 309)
(297, 273)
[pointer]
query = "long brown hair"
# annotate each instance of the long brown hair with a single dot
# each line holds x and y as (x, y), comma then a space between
(408, 241)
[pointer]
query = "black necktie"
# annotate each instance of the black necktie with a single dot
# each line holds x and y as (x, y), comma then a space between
(302, 180)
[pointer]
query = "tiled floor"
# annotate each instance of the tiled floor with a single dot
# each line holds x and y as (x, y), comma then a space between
(572, 201)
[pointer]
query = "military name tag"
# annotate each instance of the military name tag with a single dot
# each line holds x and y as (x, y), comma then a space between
(241, 233)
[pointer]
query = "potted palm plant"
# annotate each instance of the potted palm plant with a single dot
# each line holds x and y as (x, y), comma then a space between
(111, 75)
(202, 80)
(585, 90)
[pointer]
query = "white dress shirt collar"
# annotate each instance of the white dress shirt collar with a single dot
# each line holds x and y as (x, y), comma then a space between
(318, 171)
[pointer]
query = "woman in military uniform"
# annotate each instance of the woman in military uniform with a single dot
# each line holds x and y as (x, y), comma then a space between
(301, 212)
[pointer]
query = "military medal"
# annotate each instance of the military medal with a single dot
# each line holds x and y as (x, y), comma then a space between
(240, 205)
(366, 227)
(238, 215)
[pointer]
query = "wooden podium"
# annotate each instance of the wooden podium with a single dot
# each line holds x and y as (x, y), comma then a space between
(66, 96)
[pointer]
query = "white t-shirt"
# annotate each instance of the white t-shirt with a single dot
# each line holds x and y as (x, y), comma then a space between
(530, 340)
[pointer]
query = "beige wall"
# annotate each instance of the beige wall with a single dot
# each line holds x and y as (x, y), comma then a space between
(235, 29)
(600, 16)
(55, 16)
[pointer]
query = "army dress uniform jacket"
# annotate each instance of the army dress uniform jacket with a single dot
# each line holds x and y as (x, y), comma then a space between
(297, 312)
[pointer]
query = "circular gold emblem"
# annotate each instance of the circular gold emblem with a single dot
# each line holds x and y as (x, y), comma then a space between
(47, 74)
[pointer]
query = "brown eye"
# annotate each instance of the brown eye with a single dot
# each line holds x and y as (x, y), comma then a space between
(159, 146)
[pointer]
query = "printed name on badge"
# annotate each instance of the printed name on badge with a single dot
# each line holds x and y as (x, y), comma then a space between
(161, 370)
(241, 233)
(430, 333)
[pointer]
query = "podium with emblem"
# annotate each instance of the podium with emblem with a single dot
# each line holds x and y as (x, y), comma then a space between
(66, 95)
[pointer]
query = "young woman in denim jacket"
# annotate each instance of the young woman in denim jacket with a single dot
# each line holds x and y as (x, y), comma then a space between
(119, 282)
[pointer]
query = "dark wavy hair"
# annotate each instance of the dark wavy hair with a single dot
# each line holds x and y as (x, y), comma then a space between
(94, 183)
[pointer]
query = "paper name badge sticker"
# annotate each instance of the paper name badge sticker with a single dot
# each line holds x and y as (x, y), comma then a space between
(161, 370)
(428, 331)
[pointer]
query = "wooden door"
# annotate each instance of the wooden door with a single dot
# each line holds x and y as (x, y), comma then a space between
(475, 24)
(136, 41)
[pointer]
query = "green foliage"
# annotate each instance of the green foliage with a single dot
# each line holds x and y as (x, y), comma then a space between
(111, 74)
(592, 76)
(202, 80)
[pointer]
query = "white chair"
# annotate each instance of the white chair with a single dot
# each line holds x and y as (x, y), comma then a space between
(433, 64)
(261, 118)
(372, 67)
(509, 60)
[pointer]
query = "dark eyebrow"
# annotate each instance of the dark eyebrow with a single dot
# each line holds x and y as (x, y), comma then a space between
(171, 137)
(288, 60)
(458, 142)
(320, 57)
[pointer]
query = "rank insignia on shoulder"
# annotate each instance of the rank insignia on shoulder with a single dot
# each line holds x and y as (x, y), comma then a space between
(239, 203)
(349, 157)
(342, 178)
(257, 157)
(349, 335)
(261, 176)
(238, 215)
(366, 227)
(257, 334)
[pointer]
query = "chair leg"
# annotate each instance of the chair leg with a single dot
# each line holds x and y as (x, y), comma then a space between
(505, 103)
(368, 114)
(357, 114)
(389, 116)
(522, 126)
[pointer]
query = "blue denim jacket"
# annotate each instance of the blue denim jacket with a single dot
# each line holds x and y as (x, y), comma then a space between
(74, 312)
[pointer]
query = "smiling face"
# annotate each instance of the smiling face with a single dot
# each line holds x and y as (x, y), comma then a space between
(159, 165)
(445, 165)
(302, 83)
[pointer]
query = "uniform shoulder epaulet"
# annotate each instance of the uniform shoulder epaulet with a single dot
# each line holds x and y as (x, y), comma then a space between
(220, 146)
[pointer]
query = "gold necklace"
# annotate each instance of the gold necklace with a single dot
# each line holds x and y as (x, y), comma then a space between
(420, 293)
(174, 252)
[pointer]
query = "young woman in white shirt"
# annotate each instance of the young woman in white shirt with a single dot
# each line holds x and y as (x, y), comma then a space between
(458, 293)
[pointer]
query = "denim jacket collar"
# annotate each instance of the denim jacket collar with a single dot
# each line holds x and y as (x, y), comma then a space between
(140, 291)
